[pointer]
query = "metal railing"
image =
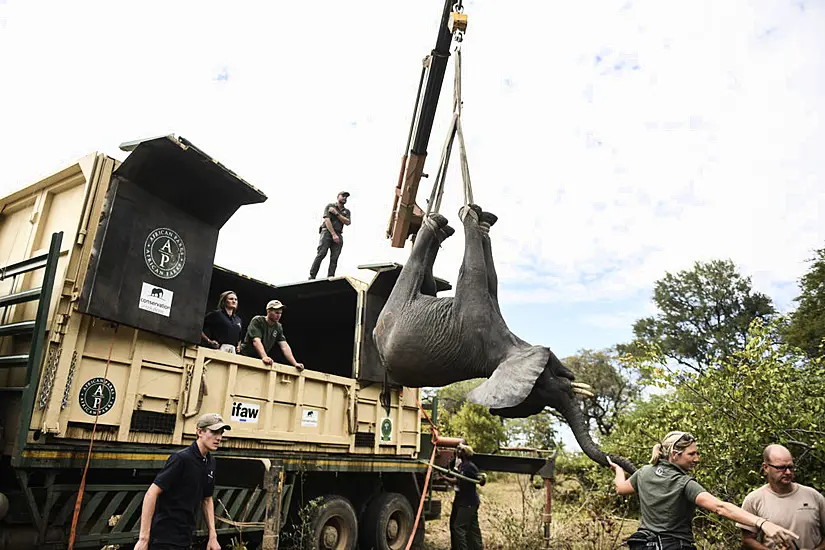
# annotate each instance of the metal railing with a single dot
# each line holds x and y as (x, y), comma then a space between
(35, 327)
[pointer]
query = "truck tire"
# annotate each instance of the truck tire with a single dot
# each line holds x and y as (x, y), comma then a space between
(333, 525)
(387, 523)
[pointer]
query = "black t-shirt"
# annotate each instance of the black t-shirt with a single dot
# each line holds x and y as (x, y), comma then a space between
(467, 494)
(222, 328)
(187, 478)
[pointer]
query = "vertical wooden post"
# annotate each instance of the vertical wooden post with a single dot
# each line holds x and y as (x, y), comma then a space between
(547, 517)
(273, 486)
(548, 473)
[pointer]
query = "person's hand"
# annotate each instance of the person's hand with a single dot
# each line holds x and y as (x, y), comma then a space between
(267, 360)
(238, 348)
(214, 344)
(333, 210)
(213, 543)
(778, 535)
(299, 366)
(613, 465)
(336, 238)
(142, 544)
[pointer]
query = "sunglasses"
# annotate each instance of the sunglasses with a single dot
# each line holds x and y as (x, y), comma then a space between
(687, 437)
(782, 468)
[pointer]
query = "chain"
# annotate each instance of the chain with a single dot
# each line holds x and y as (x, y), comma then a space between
(69, 381)
(48, 377)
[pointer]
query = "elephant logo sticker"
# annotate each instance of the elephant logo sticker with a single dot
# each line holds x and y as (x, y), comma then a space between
(156, 299)
(165, 253)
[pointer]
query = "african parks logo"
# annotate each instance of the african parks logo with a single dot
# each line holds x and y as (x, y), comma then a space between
(165, 253)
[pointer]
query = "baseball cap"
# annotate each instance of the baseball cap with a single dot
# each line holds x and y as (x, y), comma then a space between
(212, 421)
(466, 449)
(345, 193)
(274, 304)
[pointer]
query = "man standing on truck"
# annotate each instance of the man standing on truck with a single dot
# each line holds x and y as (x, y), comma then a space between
(263, 332)
(167, 521)
(336, 216)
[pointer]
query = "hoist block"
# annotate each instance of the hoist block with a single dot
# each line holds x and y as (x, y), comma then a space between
(458, 22)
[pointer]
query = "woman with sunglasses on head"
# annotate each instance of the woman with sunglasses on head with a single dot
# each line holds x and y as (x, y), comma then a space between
(668, 496)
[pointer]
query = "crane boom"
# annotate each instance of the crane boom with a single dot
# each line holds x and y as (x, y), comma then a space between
(406, 216)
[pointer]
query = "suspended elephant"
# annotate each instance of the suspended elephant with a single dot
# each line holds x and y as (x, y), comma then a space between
(424, 340)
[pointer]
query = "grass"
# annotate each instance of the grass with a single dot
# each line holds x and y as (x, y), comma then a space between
(511, 519)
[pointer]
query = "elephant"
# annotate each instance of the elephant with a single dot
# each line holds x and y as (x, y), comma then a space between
(425, 340)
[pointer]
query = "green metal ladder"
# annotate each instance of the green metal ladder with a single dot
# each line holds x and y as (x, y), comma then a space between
(36, 328)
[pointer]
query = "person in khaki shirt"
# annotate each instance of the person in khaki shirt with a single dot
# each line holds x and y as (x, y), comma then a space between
(784, 502)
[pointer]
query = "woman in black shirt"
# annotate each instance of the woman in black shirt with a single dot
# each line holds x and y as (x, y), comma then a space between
(222, 328)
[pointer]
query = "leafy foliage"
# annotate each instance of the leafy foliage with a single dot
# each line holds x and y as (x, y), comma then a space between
(704, 315)
(614, 386)
(765, 393)
(806, 329)
(537, 431)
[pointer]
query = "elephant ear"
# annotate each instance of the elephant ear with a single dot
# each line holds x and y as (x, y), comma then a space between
(513, 379)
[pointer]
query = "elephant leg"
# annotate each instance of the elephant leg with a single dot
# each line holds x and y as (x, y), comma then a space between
(472, 286)
(486, 220)
(419, 267)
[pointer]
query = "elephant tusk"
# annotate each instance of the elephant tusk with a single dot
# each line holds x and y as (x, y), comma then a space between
(582, 391)
(581, 385)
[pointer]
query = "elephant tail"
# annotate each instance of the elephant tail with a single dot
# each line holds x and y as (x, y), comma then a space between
(513, 379)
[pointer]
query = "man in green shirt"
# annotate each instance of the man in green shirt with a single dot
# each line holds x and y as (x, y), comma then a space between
(264, 332)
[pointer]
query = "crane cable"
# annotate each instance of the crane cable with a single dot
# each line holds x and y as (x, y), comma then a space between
(455, 129)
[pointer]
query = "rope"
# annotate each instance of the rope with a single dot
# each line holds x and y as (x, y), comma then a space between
(455, 129)
(82, 487)
(434, 439)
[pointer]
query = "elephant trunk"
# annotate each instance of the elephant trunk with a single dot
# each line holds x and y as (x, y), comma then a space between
(577, 422)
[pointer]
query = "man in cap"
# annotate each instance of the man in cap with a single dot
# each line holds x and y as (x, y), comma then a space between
(465, 534)
(336, 216)
(263, 332)
(786, 503)
(170, 506)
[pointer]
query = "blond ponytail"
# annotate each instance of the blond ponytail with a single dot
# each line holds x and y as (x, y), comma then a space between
(673, 442)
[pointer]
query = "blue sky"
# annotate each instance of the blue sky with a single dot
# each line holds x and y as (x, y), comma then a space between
(616, 140)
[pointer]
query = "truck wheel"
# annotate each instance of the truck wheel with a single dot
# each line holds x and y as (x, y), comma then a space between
(333, 526)
(388, 522)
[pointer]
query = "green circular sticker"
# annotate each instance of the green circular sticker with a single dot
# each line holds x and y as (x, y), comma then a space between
(386, 429)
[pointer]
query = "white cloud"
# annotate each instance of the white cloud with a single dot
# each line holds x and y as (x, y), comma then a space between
(604, 176)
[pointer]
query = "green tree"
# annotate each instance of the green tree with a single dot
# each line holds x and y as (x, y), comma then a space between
(704, 315)
(614, 386)
(537, 431)
(806, 329)
(767, 392)
(483, 431)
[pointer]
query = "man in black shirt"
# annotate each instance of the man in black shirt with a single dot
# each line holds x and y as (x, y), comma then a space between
(465, 534)
(187, 481)
(335, 217)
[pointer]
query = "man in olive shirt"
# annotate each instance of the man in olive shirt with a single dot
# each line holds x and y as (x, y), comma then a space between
(336, 216)
(790, 505)
(264, 332)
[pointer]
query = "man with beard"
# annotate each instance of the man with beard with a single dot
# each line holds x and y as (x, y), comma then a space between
(786, 503)
(336, 215)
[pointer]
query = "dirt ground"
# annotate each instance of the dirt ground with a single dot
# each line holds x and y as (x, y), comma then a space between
(510, 519)
(496, 496)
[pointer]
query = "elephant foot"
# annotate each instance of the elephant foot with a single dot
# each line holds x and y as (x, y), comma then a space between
(473, 210)
(438, 225)
(489, 218)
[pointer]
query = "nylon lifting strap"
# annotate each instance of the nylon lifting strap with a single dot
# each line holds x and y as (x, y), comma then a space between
(434, 204)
